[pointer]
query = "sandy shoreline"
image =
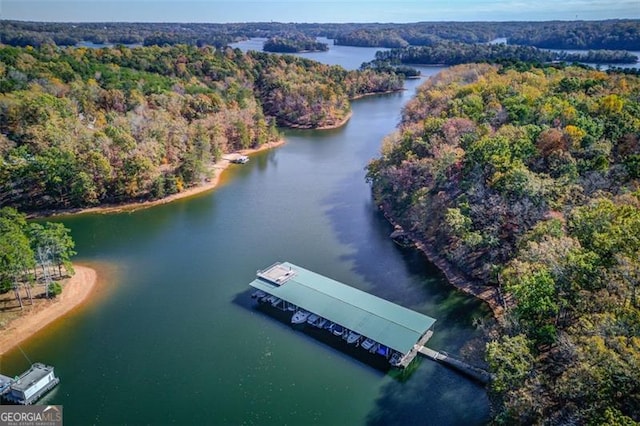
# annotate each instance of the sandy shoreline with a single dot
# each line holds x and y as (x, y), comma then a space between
(216, 170)
(76, 290)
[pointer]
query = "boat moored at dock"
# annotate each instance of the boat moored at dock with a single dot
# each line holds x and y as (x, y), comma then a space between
(368, 344)
(337, 330)
(300, 317)
(316, 321)
(353, 337)
(31, 385)
(240, 159)
(378, 326)
(382, 350)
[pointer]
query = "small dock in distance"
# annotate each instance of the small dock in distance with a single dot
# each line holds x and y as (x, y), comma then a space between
(236, 158)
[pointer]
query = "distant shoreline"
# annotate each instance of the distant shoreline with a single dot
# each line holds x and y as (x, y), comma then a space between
(337, 125)
(217, 169)
(346, 119)
(364, 95)
(327, 127)
(74, 292)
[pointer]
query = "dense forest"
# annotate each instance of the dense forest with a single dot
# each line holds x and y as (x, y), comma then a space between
(529, 181)
(294, 43)
(81, 127)
(608, 34)
(31, 251)
(524, 178)
(451, 53)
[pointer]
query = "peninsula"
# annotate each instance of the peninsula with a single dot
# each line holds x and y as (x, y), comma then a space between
(76, 290)
(102, 127)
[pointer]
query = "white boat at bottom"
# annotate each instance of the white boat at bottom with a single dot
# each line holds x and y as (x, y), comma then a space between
(300, 317)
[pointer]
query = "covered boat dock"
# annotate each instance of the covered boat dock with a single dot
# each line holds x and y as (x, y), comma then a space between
(293, 288)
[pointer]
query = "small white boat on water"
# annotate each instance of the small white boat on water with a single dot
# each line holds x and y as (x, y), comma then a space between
(368, 344)
(353, 337)
(300, 317)
(321, 322)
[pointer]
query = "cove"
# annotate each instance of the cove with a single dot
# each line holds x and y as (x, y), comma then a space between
(177, 339)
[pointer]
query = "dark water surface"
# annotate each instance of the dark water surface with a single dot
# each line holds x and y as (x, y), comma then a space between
(177, 340)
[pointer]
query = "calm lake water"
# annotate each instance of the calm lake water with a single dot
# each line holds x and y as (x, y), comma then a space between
(348, 57)
(176, 338)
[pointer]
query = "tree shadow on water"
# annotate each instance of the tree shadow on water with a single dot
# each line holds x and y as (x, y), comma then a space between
(432, 396)
(400, 274)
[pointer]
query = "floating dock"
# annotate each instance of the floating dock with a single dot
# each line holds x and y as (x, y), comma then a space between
(30, 386)
(292, 288)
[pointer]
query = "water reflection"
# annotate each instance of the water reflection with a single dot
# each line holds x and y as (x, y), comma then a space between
(420, 401)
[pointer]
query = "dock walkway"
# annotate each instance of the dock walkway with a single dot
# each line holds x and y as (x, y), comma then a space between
(406, 360)
(474, 372)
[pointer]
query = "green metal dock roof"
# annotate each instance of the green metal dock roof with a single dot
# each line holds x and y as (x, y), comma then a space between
(385, 322)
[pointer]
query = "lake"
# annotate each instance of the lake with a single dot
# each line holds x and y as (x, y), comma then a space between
(175, 338)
